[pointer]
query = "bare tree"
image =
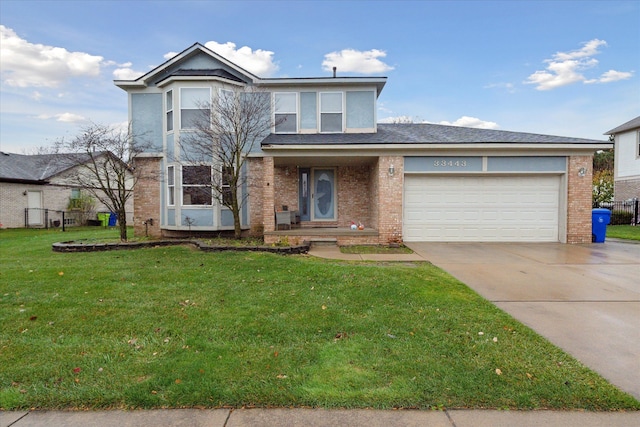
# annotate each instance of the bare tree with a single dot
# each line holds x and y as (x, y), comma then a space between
(100, 161)
(225, 130)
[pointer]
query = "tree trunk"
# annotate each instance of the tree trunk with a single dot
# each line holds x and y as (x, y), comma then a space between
(122, 221)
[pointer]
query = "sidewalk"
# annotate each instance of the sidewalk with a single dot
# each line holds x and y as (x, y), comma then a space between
(333, 252)
(317, 418)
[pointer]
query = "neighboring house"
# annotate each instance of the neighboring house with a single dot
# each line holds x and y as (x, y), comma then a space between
(36, 189)
(333, 164)
(627, 160)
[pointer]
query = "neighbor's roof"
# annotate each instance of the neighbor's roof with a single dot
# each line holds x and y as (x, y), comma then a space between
(35, 168)
(631, 124)
(424, 133)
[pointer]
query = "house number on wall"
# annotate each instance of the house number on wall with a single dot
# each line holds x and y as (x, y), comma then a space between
(450, 163)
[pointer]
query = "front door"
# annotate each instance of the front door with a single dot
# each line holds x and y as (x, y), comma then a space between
(323, 195)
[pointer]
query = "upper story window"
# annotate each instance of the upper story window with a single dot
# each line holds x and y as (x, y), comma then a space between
(286, 112)
(192, 106)
(360, 109)
(330, 112)
(169, 110)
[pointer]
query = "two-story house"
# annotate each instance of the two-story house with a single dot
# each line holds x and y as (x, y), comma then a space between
(334, 165)
(626, 160)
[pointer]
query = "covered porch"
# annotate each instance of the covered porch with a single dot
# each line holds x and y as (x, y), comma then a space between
(329, 194)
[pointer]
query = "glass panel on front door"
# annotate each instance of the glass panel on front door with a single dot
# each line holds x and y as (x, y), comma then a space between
(305, 194)
(324, 194)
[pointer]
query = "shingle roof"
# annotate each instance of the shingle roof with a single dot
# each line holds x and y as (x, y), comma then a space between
(35, 168)
(424, 133)
(631, 124)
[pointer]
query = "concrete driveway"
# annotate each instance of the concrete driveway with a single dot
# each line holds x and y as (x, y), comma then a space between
(583, 298)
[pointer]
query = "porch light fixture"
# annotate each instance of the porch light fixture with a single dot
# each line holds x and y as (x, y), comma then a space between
(391, 170)
(582, 172)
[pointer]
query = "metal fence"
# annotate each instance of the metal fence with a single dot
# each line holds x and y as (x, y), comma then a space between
(622, 213)
(50, 218)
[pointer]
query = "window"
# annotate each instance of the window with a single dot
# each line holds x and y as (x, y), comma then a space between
(75, 201)
(171, 185)
(192, 106)
(169, 110)
(196, 185)
(331, 112)
(638, 143)
(308, 110)
(360, 109)
(227, 175)
(285, 108)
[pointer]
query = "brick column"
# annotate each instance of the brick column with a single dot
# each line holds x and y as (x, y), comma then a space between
(579, 200)
(268, 194)
(390, 189)
(146, 197)
(255, 188)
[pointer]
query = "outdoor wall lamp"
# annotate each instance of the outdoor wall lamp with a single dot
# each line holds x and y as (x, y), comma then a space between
(582, 172)
(391, 170)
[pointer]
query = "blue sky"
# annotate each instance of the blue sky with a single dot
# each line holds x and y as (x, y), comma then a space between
(569, 68)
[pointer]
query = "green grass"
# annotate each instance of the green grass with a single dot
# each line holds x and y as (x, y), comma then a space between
(628, 232)
(176, 327)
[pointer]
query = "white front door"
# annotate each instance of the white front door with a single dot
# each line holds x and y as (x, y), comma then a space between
(34, 205)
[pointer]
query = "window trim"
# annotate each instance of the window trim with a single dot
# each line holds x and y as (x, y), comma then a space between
(168, 111)
(295, 112)
(171, 185)
(341, 112)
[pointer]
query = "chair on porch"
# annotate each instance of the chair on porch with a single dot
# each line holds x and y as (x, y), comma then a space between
(283, 218)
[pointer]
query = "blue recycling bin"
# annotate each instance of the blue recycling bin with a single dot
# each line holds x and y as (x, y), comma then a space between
(113, 217)
(600, 218)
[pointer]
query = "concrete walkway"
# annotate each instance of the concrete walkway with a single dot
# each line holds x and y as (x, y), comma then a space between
(317, 418)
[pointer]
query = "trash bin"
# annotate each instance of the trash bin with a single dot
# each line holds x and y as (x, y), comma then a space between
(599, 220)
(103, 217)
(113, 217)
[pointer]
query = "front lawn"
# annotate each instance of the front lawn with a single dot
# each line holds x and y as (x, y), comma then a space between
(628, 232)
(176, 327)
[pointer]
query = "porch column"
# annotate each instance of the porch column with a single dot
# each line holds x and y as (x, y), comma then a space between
(268, 194)
(579, 199)
(390, 188)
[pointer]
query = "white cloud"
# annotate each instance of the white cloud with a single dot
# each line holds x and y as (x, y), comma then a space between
(259, 62)
(170, 55)
(509, 87)
(566, 68)
(63, 117)
(400, 120)
(126, 73)
(611, 76)
(27, 64)
(471, 122)
(350, 60)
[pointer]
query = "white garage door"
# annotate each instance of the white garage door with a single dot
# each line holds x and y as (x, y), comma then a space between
(481, 209)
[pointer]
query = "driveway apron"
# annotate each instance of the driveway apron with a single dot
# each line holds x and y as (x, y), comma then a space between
(583, 298)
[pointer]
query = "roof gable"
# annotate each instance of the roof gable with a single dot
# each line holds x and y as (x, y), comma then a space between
(197, 58)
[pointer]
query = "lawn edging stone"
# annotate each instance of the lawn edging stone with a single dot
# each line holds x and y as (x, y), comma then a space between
(75, 246)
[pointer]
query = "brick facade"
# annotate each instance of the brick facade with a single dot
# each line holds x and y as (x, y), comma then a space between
(146, 197)
(579, 199)
(626, 189)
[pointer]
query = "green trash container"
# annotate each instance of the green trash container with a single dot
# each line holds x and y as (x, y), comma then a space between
(103, 217)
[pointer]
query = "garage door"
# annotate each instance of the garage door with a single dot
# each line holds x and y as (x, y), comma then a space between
(481, 209)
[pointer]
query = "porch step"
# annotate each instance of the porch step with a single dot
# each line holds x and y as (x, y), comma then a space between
(323, 242)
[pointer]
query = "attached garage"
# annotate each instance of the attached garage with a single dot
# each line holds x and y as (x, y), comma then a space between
(481, 208)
